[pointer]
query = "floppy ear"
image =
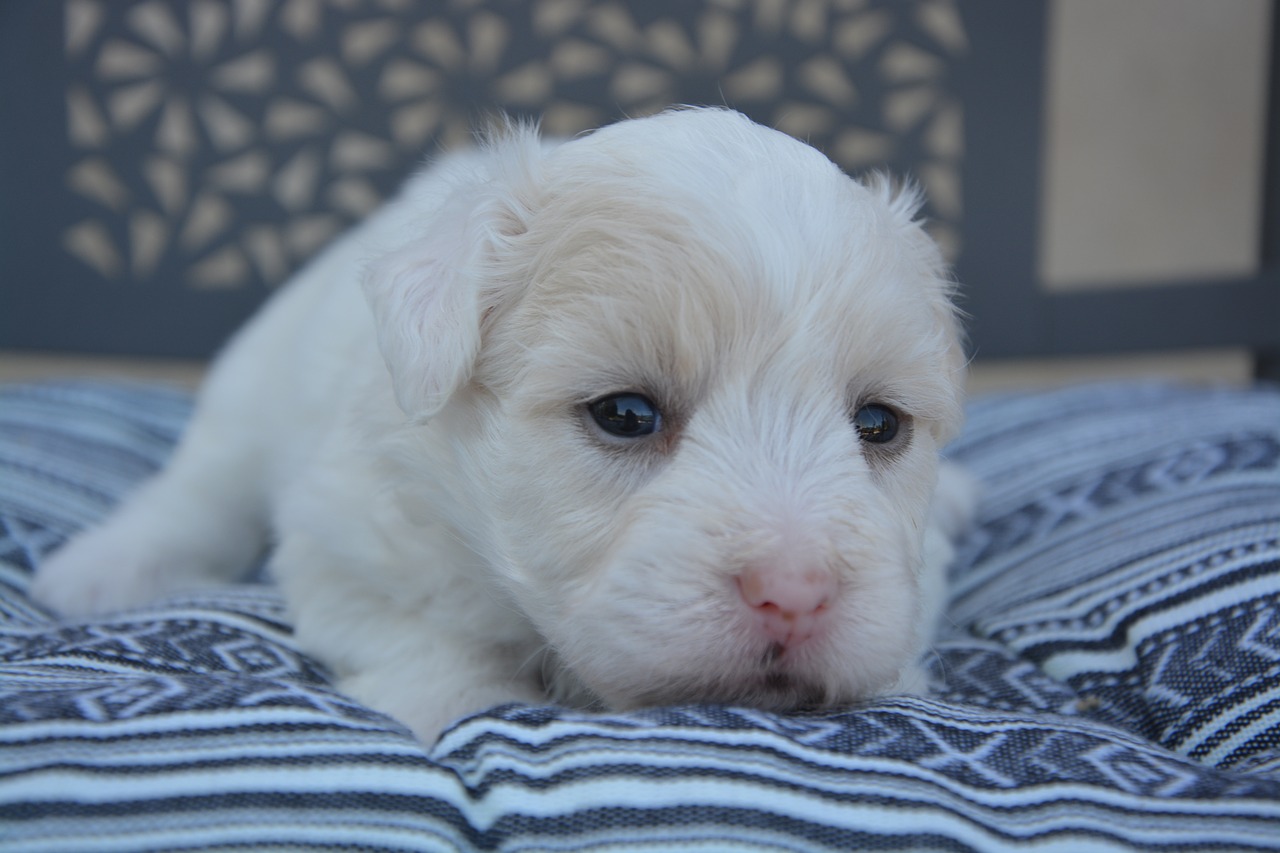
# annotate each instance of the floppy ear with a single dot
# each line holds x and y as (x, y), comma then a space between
(904, 202)
(430, 296)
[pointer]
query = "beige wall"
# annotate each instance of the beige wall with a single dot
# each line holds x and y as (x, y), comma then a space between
(1154, 140)
(1154, 126)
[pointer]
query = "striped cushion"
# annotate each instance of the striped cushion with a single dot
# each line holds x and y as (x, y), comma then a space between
(1109, 676)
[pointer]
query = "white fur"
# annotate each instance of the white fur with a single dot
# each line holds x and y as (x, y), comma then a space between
(452, 530)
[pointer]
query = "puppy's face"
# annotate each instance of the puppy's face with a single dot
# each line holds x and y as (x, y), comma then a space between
(712, 379)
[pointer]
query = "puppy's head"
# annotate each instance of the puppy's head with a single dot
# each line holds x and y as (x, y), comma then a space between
(697, 380)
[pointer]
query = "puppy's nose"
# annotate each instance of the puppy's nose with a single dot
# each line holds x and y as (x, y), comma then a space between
(788, 604)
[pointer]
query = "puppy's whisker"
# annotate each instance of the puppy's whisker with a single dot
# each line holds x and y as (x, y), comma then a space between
(537, 658)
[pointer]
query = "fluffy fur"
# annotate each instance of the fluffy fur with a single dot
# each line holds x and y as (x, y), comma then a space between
(452, 529)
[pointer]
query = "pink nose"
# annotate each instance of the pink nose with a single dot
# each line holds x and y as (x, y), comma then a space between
(788, 604)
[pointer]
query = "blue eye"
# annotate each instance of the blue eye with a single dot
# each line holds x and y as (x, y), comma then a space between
(626, 415)
(876, 424)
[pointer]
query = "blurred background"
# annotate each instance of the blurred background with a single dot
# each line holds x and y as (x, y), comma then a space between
(1097, 171)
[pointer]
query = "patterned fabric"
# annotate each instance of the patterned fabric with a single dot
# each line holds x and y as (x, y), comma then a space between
(1109, 677)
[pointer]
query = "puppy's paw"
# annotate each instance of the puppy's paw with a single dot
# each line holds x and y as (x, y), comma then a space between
(426, 706)
(105, 569)
(94, 573)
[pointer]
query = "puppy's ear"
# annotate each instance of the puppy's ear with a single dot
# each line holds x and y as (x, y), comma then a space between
(904, 202)
(430, 296)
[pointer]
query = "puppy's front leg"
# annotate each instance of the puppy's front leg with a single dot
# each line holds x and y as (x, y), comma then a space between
(443, 680)
(415, 639)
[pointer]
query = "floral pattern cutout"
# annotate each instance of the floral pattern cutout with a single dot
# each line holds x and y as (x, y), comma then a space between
(221, 143)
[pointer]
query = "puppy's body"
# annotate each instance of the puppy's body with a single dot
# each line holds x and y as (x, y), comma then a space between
(615, 422)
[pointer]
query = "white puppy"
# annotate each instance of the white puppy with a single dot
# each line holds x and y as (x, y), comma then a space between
(651, 416)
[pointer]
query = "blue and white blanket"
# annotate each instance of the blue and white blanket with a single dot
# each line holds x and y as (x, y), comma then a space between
(1109, 677)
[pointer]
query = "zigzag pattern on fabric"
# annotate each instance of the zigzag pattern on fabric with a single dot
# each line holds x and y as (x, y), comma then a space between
(1109, 675)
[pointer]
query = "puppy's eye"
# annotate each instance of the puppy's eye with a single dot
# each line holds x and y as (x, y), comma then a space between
(626, 415)
(876, 424)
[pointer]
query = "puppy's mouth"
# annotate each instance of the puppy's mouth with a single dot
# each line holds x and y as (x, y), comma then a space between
(780, 690)
(778, 673)
(772, 655)
(777, 684)
(769, 685)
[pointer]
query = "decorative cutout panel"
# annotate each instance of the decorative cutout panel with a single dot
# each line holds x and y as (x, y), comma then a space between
(166, 163)
(223, 143)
